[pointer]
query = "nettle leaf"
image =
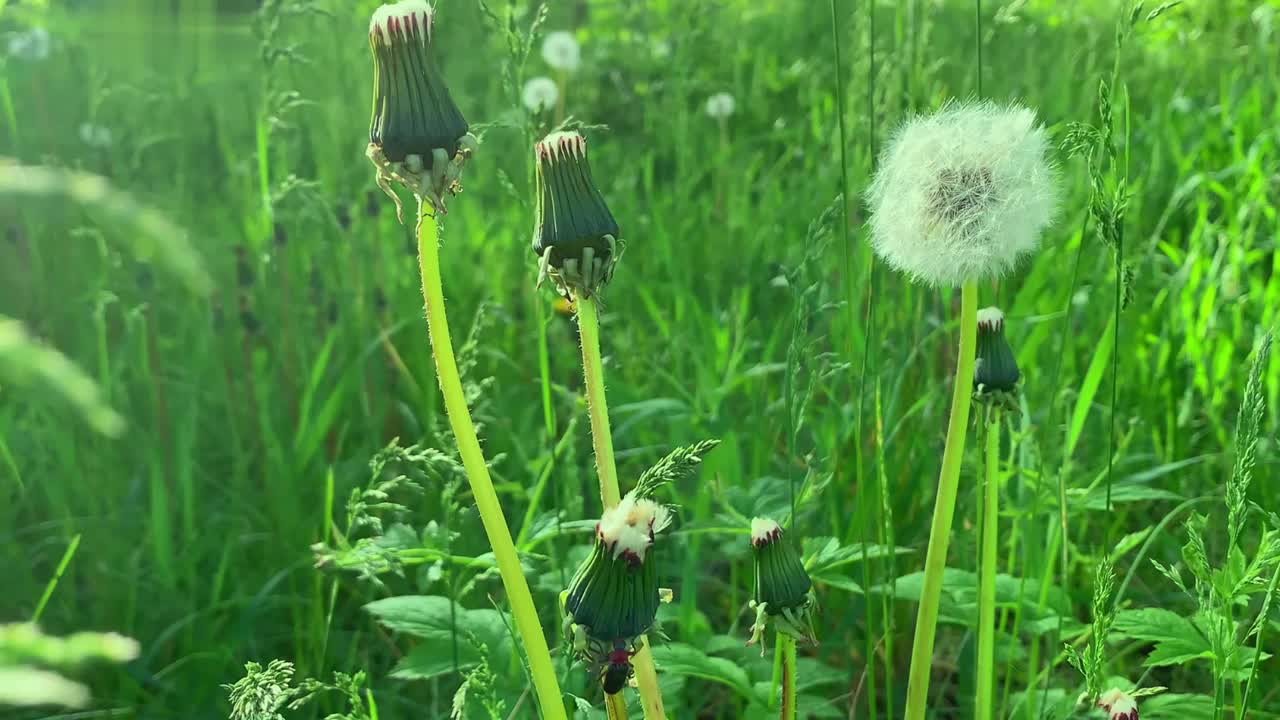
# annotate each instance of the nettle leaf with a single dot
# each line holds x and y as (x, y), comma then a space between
(1172, 706)
(687, 661)
(1177, 639)
(440, 629)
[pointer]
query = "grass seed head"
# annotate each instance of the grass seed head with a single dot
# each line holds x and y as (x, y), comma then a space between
(962, 194)
(417, 135)
(575, 236)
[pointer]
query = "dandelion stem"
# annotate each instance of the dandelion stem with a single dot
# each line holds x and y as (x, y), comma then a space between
(787, 645)
(935, 563)
(615, 707)
(495, 525)
(985, 678)
(606, 468)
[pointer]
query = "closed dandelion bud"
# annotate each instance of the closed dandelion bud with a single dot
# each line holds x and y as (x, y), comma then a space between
(963, 194)
(244, 271)
(372, 205)
(614, 595)
(279, 235)
(995, 370)
(417, 135)
(1119, 705)
(576, 237)
(783, 590)
(342, 214)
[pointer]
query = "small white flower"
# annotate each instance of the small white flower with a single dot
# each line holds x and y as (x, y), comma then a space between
(721, 105)
(1180, 103)
(1119, 705)
(660, 49)
(630, 526)
(962, 194)
(32, 45)
(95, 136)
(561, 51)
(540, 93)
(1263, 16)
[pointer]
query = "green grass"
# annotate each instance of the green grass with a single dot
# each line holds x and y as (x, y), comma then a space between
(735, 314)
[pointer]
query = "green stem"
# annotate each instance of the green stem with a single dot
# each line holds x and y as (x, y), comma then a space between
(495, 525)
(935, 563)
(615, 707)
(788, 646)
(606, 468)
(985, 678)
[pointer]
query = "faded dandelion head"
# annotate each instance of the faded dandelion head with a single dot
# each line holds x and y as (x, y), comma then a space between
(575, 236)
(962, 194)
(561, 51)
(540, 94)
(1119, 705)
(995, 371)
(417, 135)
(721, 105)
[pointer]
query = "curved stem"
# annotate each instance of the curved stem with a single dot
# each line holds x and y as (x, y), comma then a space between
(606, 468)
(788, 646)
(985, 678)
(944, 508)
(495, 525)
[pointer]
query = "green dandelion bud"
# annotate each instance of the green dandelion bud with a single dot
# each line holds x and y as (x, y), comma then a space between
(783, 590)
(995, 372)
(417, 136)
(576, 237)
(614, 596)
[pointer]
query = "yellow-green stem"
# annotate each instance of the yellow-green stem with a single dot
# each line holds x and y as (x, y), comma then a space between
(985, 678)
(788, 646)
(935, 563)
(606, 468)
(495, 525)
(615, 706)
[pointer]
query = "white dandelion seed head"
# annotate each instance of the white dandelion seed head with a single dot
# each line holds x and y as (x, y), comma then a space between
(540, 94)
(629, 527)
(991, 318)
(413, 17)
(95, 136)
(721, 105)
(561, 51)
(1119, 704)
(30, 45)
(962, 194)
(660, 49)
(560, 145)
(764, 531)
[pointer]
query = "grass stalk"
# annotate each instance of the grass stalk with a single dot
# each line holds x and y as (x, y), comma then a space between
(787, 645)
(943, 510)
(985, 678)
(606, 468)
(495, 525)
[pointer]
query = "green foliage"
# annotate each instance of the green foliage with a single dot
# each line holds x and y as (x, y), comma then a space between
(32, 664)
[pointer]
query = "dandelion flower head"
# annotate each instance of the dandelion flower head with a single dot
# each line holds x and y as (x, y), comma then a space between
(963, 194)
(561, 51)
(721, 105)
(629, 527)
(540, 94)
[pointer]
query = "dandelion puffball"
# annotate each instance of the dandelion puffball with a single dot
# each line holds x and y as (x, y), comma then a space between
(962, 194)
(32, 45)
(721, 105)
(540, 94)
(561, 51)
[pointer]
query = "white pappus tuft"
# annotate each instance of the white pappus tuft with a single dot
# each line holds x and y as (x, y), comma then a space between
(95, 136)
(540, 94)
(991, 318)
(407, 17)
(962, 194)
(721, 105)
(30, 45)
(1119, 705)
(629, 527)
(561, 51)
(764, 531)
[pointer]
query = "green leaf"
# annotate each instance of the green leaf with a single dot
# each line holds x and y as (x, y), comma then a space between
(1089, 386)
(687, 661)
(432, 620)
(1177, 707)
(1176, 638)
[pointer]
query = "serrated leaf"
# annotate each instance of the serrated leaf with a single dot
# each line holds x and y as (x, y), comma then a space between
(1176, 638)
(687, 661)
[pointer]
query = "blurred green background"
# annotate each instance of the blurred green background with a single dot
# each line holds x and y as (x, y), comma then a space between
(740, 312)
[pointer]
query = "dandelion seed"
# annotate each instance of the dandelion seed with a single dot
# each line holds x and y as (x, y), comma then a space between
(31, 45)
(962, 194)
(561, 51)
(95, 136)
(721, 105)
(540, 94)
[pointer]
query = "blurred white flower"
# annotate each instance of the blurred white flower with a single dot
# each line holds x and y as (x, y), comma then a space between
(962, 194)
(561, 51)
(661, 49)
(95, 136)
(540, 93)
(1180, 103)
(1264, 17)
(720, 105)
(30, 45)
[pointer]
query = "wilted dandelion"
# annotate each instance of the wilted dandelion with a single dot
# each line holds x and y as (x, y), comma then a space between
(1118, 705)
(31, 45)
(962, 194)
(561, 51)
(721, 105)
(95, 136)
(540, 94)
(994, 370)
